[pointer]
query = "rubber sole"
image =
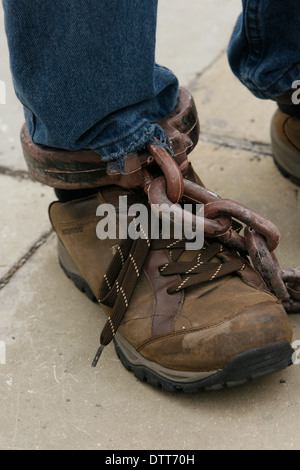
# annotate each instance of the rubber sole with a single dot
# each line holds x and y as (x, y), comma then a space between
(244, 368)
(284, 173)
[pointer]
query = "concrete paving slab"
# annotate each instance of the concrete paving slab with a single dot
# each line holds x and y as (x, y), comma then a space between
(53, 399)
(226, 108)
(191, 34)
(24, 218)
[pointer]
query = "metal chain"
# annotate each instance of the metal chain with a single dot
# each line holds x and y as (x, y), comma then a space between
(261, 236)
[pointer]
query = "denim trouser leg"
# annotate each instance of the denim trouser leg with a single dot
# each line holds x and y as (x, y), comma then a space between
(85, 72)
(264, 51)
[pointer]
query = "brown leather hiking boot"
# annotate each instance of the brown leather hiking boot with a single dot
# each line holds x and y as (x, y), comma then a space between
(189, 320)
(285, 136)
(179, 319)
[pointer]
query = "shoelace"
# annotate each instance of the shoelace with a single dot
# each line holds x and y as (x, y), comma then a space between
(125, 269)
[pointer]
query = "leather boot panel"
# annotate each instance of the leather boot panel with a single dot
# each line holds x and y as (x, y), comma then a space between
(167, 305)
(212, 347)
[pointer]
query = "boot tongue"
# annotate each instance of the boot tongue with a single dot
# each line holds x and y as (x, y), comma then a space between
(189, 255)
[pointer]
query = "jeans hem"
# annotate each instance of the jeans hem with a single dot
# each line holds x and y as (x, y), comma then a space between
(282, 84)
(131, 144)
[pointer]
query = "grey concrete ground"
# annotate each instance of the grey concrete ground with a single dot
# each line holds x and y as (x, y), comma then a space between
(50, 396)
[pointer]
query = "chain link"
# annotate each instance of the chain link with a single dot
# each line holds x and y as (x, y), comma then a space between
(222, 219)
(261, 236)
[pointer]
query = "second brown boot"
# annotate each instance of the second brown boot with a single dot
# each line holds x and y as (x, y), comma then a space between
(285, 136)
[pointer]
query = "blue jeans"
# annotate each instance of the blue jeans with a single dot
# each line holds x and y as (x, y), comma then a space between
(264, 51)
(86, 75)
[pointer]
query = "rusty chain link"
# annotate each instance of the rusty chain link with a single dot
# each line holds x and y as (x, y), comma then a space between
(261, 236)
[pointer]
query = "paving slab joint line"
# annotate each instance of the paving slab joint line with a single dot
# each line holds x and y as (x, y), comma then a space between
(21, 174)
(239, 144)
(23, 260)
(193, 84)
